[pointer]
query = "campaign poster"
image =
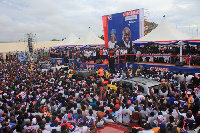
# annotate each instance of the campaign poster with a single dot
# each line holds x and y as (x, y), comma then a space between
(21, 57)
(121, 29)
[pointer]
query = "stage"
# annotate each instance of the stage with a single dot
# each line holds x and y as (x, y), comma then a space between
(158, 66)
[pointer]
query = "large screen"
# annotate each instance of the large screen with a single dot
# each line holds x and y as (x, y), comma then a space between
(122, 28)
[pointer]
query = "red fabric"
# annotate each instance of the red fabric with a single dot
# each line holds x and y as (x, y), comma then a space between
(105, 82)
(117, 106)
(105, 28)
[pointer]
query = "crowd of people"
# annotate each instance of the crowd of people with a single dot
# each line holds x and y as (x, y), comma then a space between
(39, 101)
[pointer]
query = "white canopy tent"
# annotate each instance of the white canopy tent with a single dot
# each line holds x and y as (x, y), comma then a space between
(23, 46)
(89, 39)
(71, 38)
(163, 33)
(196, 38)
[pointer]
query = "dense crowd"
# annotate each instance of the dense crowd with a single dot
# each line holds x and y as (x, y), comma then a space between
(39, 101)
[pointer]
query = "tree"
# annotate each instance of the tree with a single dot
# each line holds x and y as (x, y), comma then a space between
(54, 40)
(149, 26)
(102, 37)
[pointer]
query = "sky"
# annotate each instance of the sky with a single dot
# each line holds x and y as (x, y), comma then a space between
(55, 19)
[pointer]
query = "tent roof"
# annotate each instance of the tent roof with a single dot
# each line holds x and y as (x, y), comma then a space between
(22, 46)
(196, 38)
(164, 32)
(89, 39)
(71, 38)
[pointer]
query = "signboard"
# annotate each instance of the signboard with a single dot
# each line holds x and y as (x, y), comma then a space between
(21, 57)
(159, 69)
(122, 28)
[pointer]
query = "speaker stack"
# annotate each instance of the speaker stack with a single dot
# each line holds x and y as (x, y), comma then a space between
(178, 63)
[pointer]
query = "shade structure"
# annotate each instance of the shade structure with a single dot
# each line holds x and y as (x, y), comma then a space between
(194, 40)
(23, 46)
(71, 38)
(163, 33)
(89, 39)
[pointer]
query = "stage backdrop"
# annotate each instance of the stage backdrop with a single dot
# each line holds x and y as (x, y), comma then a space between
(115, 23)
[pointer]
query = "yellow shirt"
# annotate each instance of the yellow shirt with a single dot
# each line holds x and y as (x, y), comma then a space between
(114, 87)
(70, 75)
(107, 75)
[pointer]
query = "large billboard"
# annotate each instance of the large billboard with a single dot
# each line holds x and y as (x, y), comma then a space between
(122, 28)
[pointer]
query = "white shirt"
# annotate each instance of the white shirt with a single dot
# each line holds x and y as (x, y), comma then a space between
(109, 120)
(84, 129)
(119, 115)
(58, 128)
(146, 131)
(104, 52)
(117, 52)
(126, 115)
(94, 53)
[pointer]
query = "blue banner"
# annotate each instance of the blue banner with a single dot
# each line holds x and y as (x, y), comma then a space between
(21, 57)
(125, 27)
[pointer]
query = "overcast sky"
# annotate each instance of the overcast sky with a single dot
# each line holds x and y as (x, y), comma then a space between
(50, 19)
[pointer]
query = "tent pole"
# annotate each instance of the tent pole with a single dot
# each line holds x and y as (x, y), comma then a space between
(181, 52)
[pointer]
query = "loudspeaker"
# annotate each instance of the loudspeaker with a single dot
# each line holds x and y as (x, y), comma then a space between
(99, 61)
(112, 63)
(178, 63)
(121, 61)
(132, 58)
(66, 59)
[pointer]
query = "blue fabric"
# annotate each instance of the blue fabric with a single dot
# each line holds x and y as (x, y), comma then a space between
(161, 125)
(173, 68)
(93, 103)
(171, 100)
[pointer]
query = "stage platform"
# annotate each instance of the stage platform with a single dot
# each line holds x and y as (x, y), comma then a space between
(158, 66)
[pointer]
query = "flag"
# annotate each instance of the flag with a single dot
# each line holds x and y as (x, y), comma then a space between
(59, 105)
(109, 17)
(36, 98)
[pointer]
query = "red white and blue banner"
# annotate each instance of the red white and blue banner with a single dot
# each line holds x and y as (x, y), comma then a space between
(115, 24)
(192, 41)
(156, 42)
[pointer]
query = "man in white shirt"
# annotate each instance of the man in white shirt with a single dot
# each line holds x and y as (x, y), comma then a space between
(127, 113)
(118, 113)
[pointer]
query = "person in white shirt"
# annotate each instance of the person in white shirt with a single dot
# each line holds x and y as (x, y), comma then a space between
(117, 52)
(189, 78)
(109, 119)
(118, 113)
(94, 54)
(127, 113)
(56, 126)
(105, 54)
(112, 41)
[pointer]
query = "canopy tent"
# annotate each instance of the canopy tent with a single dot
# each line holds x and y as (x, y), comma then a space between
(164, 33)
(89, 39)
(194, 40)
(23, 46)
(71, 38)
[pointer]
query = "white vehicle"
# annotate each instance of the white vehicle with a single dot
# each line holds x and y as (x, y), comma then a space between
(144, 84)
(60, 67)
